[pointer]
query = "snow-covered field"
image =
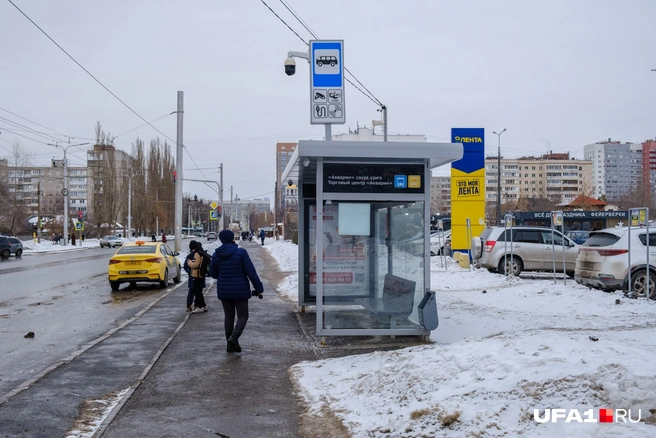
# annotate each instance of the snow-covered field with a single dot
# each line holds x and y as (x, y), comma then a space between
(504, 348)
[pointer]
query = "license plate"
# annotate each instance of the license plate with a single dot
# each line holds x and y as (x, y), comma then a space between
(132, 263)
(587, 265)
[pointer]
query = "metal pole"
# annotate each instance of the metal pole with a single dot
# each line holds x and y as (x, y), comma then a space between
(230, 222)
(329, 135)
(498, 134)
(384, 123)
(275, 211)
(647, 250)
(65, 199)
(38, 215)
(129, 208)
(221, 199)
(179, 176)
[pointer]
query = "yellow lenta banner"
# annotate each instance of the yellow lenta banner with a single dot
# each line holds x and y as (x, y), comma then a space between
(467, 201)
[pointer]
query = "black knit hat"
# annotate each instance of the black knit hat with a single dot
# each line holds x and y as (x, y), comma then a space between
(226, 236)
(193, 245)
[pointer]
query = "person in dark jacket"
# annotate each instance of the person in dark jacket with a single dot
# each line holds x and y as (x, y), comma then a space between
(233, 268)
(196, 281)
(262, 235)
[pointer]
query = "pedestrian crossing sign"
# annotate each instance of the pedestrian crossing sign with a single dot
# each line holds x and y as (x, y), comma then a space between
(79, 226)
(214, 215)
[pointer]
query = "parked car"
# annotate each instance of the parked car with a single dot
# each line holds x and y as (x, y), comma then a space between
(603, 260)
(531, 250)
(440, 242)
(212, 236)
(143, 261)
(578, 236)
(112, 241)
(10, 245)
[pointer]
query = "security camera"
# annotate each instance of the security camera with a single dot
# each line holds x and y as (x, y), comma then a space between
(290, 66)
(290, 183)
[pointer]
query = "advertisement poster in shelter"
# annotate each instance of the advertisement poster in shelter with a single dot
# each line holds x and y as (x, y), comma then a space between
(345, 257)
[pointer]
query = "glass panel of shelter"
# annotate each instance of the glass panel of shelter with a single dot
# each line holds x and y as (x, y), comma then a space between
(373, 262)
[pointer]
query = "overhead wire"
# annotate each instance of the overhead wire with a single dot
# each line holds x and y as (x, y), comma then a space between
(87, 71)
(295, 15)
(370, 96)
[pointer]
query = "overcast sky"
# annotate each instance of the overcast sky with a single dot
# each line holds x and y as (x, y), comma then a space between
(558, 74)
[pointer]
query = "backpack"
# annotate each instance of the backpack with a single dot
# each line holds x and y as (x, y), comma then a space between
(205, 264)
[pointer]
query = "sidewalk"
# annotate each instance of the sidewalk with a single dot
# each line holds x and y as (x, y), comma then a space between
(197, 389)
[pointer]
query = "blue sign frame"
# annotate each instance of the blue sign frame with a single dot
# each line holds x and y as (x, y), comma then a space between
(327, 80)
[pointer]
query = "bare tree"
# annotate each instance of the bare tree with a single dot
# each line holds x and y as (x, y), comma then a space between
(14, 212)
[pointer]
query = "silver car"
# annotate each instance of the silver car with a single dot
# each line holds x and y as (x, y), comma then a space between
(603, 261)
(530, 249)
(112, 241)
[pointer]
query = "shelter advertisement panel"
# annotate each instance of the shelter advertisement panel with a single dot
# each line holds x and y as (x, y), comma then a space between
(345, 256)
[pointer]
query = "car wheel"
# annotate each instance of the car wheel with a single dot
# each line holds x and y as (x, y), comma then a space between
(178, 277)
(19, 252)
(639, 283)
(114, 285)
(164, 282)
(514, 266)
(5, 253)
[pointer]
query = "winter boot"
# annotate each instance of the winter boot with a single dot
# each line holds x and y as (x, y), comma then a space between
(230, 348)
(234, 338)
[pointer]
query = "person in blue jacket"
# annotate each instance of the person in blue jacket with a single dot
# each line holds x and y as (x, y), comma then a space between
(232, 268)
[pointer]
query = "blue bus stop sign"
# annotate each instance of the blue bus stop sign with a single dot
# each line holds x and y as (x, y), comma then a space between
(327, 82)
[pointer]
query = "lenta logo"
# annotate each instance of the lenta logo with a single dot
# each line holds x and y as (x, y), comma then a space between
(606, 415)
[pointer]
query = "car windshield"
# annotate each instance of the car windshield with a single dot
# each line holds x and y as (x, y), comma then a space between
(601, 239)
(137, 249)
(111, 238)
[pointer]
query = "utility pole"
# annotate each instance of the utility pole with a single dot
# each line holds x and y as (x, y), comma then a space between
(179, 176)
(38, 214)
(129, 207)
(498, 134)
(221, 199)
(275, 212)
(64, 191)
(230, 206)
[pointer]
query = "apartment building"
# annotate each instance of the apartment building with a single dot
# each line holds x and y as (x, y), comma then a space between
(553, 176)
(617, 168)
(440, 195)
(649, 166)
(284, 197)
(23, 185)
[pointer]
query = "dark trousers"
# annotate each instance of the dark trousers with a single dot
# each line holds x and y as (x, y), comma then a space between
(195, 292)
(229, 309)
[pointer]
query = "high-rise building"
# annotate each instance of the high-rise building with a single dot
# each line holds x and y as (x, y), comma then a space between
(617, 168)
(649, 167)
(283, 196)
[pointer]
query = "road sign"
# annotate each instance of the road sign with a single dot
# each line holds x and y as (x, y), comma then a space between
(214, 215)
(214, 205)
(79, 226)
(327, 82)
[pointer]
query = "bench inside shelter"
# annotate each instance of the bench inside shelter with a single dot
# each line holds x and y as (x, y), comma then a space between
(397, 300)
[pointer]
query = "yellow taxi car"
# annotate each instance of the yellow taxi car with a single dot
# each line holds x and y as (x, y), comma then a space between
(144, 262)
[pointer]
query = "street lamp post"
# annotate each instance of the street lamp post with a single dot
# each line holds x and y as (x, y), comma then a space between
(498, 134)
(64, 191)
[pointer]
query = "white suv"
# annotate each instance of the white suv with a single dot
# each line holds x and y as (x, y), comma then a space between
(531, 249)
(603, 260)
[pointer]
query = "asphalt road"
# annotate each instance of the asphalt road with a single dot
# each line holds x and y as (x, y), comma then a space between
(64, 298)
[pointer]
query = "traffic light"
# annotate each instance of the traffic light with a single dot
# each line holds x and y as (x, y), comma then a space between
(79, 214)
(175, 175)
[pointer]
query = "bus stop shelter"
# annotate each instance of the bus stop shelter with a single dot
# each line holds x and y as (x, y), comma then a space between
(363, 232)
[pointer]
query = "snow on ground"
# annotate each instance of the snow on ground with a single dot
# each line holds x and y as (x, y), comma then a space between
(504, 348)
